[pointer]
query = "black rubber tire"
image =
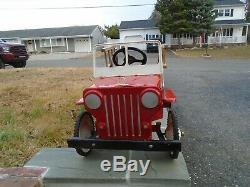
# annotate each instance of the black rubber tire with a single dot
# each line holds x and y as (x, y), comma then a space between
(171, 114)
(2, 65)
(20, 64)
(77, 129)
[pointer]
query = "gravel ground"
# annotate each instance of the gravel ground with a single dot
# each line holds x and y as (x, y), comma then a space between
(213, 107)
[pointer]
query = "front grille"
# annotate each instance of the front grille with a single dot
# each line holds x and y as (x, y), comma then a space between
(123, 116)
(18, 50)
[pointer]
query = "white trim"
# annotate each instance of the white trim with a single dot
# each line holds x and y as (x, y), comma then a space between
(128, 70)
(35, 45)
(67, 44)
(52, 37)
(51, 48)
(90, 44)
(232, 5)
(139, 28)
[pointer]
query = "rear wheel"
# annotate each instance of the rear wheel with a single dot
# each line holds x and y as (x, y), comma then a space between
(172, 131)
(2, 65)
(84, 129)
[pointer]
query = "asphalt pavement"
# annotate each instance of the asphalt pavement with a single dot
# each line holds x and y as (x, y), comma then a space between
(213, 107)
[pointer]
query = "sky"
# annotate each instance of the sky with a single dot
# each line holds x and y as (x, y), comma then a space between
(23, 14)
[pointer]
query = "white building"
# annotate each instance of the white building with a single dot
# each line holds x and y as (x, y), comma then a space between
(62, 39)
(230, 27)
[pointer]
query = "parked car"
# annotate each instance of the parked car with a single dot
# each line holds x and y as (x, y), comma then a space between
(127, 104)
(12, 54)
(153, 47)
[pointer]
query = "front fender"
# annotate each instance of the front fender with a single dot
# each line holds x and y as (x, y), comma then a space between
(80, 102)
(168, 98)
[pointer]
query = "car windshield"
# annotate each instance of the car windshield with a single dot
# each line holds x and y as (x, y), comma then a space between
(125, 59)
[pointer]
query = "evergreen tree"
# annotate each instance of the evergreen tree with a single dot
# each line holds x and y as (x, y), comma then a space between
(174, 14)
(201, 17)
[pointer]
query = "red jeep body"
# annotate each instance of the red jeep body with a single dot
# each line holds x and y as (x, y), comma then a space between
(127, 108)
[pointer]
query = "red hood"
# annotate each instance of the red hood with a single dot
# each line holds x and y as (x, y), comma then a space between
(129, 81)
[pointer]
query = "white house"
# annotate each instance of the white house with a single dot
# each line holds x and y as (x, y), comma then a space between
(230, 23)
(230, 27)
(63, 39)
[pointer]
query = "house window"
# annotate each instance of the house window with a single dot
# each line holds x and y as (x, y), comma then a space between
(54, 42)
(232, 13)
(153, 36)
(221, 13)
(227, 12)
(216, 12)
(244, 31)
(228, 32)
(45, 43)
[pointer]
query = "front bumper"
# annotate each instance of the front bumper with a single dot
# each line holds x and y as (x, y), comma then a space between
(153, 145)
(10, 57)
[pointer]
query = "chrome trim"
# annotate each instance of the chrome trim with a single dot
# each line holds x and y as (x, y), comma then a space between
(132, 115)
(113, 113)
(138, 114)
(119, 108)
(107, 116)
(125, 111)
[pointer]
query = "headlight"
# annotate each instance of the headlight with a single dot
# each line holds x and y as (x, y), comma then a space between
(92, 101)
(6, 49)
(150, 99)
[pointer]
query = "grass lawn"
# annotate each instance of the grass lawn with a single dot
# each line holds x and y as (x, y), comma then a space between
(36, 110)
(236, 52)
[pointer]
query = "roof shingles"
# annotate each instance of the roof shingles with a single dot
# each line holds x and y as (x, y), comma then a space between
(138, 24)
(228, 2)
(49, 32)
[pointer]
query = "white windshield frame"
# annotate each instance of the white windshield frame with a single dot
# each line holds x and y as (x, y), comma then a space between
(127, 70)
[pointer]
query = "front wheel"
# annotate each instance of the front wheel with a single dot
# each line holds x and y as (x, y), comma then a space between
(172, 131)
(84, 129)
(2, 65)
(19, 64)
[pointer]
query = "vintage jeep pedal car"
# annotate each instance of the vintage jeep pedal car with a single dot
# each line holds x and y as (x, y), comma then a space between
(128, 106)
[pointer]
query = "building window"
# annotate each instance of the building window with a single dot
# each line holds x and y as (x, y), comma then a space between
(216, 12)
(153, 36)
(224, 12)
(221, 13)
(227, 12)
(228, 32)
(244, 31)
(232, 12)
(54, 42)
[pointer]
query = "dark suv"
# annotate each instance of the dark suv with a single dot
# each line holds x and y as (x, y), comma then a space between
(12, 54)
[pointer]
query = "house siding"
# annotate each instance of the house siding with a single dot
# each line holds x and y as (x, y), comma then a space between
(97, 37)
(136, 32)
(239, 12)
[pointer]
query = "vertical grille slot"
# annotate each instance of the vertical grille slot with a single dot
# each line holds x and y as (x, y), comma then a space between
(123, 117)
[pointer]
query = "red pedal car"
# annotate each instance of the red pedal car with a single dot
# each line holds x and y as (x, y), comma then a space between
(128, 106)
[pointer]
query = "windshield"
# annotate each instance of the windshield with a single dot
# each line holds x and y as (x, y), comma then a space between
(125, 59)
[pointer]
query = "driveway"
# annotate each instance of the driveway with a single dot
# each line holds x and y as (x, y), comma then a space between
(60, 60)
(213, 109)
